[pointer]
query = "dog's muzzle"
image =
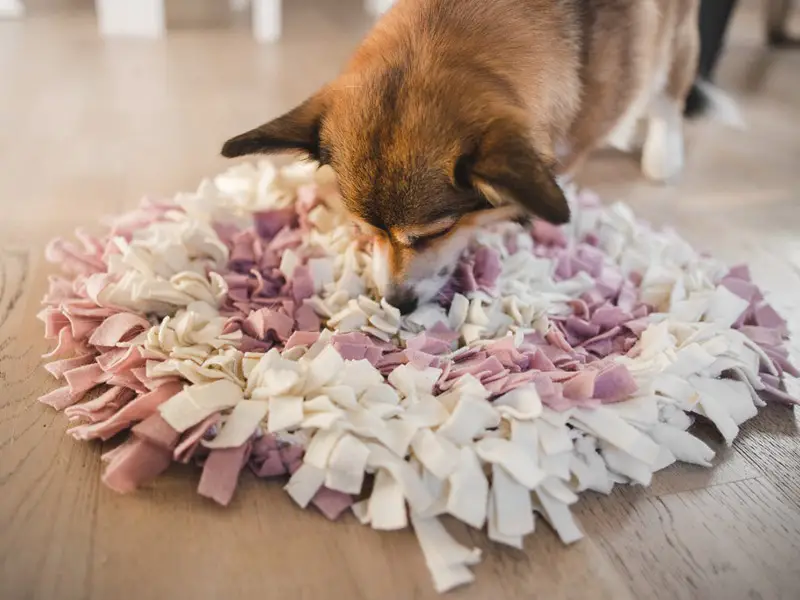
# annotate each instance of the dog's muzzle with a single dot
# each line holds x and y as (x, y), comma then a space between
(402, 298)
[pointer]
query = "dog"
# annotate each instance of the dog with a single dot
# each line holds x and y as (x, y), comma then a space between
(453, 114)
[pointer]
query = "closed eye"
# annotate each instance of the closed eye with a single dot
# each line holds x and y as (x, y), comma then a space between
(418, 242)
(323, 155)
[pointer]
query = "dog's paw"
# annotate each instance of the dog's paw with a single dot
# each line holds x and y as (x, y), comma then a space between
(662, 154)
(628, 136)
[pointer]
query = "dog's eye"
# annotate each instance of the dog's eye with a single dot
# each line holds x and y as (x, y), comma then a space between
(323, 155)
(418, 242)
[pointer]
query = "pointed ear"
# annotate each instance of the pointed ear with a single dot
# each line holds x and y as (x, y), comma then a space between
(297, 130)
(505, 168)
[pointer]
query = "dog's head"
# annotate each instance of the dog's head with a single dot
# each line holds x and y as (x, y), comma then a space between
(420, 167)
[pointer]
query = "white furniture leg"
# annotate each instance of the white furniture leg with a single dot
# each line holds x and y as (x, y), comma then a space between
(137, 18)
(267, 20)
(377, 7)
(11, 9)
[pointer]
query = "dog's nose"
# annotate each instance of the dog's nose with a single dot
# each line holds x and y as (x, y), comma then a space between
(408, 305)
(404, 300)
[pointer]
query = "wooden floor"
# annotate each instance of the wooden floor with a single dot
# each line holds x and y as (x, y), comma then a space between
(87, 126)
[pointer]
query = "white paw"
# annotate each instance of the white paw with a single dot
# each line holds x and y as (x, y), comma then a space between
(627, 137)
(662, 154)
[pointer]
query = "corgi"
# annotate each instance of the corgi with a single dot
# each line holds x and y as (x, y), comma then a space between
(453, 114)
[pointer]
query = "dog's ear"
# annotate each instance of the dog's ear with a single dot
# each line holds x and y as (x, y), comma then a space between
(505, 168)
(296, 131)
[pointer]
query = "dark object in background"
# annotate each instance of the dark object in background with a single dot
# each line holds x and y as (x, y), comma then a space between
(777, 23)
(696, 103)
(714, 17)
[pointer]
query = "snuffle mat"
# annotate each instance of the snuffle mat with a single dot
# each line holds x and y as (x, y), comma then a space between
(237, 328)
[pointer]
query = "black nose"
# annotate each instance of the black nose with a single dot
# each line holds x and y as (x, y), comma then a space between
(405, 301)
(408, 306)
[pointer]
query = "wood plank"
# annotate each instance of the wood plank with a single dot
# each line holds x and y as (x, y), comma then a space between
(264, 542)
(49, 482)
(729, 466)
(735, 540)
(774, 450)
(547, 569)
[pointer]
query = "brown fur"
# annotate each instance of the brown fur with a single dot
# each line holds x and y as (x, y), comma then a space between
(449, 109)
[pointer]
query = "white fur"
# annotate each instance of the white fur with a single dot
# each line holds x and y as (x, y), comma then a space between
(380, 267)
(629, 132)
(627, 136)
(424, 274)
(662, 154)
(426, 289)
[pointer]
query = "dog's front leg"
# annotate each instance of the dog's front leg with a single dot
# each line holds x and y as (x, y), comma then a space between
(586, 135)
(570, 165)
